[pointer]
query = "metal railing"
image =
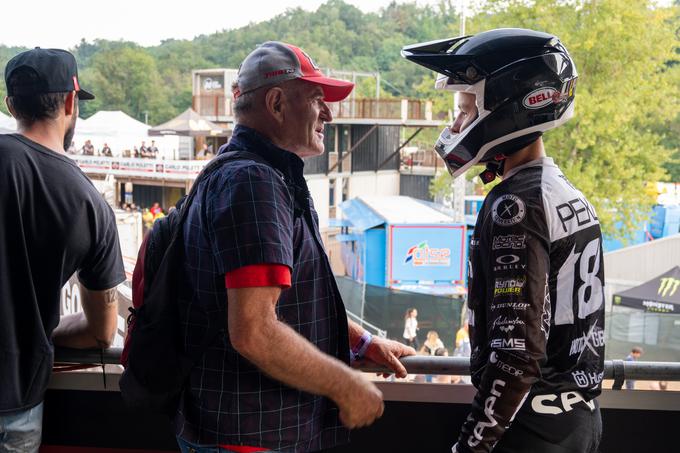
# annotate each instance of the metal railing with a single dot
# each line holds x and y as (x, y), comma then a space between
(375, 330)
(618, 370)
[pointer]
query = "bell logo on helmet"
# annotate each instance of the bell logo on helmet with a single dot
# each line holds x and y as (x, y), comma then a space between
(539, 98)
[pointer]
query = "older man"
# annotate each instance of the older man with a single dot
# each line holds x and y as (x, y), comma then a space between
(278, 378)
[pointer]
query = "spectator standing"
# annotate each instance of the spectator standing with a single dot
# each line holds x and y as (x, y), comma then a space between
(277, 377)
(463, 348)
(147, 218)
(153, 150)
(143, 150)
(205, 152)
(634, 355)
(106, 151)
(88, 149)
(411, 328)
(463, 341)
(63, 227)
(156, 208)
(432, 343)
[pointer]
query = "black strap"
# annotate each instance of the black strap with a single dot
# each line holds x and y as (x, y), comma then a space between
(216, 163)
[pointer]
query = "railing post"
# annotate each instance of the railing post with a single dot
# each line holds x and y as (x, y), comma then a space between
(428, 110)
(404, 109)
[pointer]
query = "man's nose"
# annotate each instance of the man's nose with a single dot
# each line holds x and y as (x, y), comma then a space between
(455, 127)
(326, 114)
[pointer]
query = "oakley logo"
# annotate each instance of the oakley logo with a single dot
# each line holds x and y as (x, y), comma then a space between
(507, 259)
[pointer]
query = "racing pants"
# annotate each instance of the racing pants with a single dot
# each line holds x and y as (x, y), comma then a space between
(578, 430)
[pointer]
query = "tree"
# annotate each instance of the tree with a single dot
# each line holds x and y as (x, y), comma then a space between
(627, 96)
(126, 78)
(6, 54)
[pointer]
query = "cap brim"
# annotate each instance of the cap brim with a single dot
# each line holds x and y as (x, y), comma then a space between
(334, 90)
(85, 95)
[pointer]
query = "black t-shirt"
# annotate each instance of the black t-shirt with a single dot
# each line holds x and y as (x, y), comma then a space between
(53, 222)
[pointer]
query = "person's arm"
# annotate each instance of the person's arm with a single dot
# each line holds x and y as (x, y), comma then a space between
(95, 326)
(381, 351)
(517, 327)
(279, 351)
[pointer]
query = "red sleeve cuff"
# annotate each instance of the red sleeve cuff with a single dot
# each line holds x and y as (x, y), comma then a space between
(258, 275)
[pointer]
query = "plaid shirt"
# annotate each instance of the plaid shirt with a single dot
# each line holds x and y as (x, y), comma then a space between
(250, 213)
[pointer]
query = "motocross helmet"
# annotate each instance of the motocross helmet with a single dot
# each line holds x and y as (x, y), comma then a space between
(523, 82)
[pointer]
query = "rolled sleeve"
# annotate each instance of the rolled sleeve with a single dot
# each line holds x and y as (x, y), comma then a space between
(250, 218)
(258, 275)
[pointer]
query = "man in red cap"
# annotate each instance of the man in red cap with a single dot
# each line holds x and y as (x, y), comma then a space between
(278, 377)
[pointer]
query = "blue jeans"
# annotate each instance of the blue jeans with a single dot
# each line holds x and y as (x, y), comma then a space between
(20, 432)
(188, 447)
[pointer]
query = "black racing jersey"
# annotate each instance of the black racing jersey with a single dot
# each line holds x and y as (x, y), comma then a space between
(536, 302)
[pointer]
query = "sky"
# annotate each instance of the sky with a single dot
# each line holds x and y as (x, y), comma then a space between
(62, 24)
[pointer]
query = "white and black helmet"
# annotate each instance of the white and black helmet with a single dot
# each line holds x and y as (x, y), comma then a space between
(524, 83)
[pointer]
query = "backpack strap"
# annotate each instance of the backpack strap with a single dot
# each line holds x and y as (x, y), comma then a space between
(215, 164)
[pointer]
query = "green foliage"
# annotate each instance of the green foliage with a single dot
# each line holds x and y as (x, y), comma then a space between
(126, 78)
(627, 104)
(626, 131)
(6, 54)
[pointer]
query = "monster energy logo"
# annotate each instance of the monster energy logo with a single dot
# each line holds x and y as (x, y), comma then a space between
(668, 286)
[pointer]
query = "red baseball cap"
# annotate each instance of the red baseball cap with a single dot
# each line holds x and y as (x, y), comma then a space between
(274, 62)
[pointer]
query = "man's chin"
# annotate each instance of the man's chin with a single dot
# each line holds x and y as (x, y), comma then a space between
(312, 151)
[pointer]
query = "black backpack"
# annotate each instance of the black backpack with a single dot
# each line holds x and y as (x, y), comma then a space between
(157, 365)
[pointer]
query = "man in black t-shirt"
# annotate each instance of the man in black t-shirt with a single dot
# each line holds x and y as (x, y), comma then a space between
(54, 223)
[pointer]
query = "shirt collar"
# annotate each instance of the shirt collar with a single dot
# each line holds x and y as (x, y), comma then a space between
(540, 162)
(247, 139)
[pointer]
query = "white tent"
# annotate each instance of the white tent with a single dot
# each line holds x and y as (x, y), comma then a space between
(7, 124)
(120, 131)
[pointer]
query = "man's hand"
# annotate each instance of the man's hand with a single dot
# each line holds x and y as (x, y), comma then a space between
(360, 402)
(387, 352)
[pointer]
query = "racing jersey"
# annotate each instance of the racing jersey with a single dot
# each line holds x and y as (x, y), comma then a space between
(536, 302)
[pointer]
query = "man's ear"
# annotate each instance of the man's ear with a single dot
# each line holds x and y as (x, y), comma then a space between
(9, 107)
(70, 103)
(273, 101)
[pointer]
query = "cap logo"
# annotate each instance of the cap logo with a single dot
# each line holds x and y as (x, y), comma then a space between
(279, 72)
(539, 98)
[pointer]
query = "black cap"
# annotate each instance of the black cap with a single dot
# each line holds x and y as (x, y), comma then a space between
(56, 71)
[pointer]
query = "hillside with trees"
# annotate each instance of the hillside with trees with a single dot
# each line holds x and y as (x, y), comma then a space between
(624, 134)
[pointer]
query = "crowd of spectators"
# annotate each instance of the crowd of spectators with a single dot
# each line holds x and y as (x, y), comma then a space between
(145, 152)
(434, 346)
(149, 215)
